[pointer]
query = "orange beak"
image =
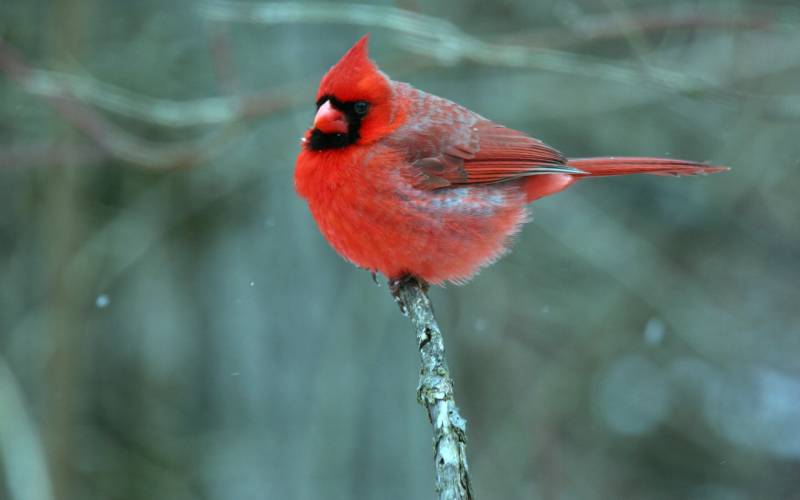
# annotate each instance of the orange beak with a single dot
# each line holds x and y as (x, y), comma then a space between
(330, 120)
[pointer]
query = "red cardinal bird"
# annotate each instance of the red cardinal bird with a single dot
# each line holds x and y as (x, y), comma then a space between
(412, 185)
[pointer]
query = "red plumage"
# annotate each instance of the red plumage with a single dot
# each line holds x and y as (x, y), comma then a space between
(407, 183)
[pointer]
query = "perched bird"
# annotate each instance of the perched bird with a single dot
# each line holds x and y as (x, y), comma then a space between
(409, 184)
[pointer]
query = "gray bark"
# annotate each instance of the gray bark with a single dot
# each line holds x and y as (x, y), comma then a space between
(435, 393)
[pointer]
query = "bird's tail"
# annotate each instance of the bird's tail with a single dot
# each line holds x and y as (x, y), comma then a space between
(537, 186)
(612, 165)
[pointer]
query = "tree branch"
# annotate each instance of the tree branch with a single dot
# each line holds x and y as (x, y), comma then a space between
(443, 40)
(448, 44)
(435, 393)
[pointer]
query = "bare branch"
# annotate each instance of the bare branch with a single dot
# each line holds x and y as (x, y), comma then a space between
(579, 27)
(162, 112)
(21, 156)
(435, 393)
(448, 44)
(107, 136)
(392, 18)
(76, 97)
(443, 40)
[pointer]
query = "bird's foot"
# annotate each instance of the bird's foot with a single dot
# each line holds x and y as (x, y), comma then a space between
(396, 284)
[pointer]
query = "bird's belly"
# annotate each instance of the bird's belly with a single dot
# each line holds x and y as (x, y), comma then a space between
(441, 235)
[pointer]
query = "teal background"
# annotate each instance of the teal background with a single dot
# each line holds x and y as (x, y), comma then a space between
(173, 326)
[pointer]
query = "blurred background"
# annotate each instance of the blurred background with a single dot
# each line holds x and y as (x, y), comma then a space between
(173, 326)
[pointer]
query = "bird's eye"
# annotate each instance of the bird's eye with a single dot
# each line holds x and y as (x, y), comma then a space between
(361, 107)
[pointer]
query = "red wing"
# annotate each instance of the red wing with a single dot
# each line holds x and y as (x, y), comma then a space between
(492, 153)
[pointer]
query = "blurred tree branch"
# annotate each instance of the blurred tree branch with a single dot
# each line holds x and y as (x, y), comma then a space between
(49, 154)
(443, 40)
(69, 95)
(161, 112)
(435, 393)
(112, 139)
(582, 28)
(447, 43)
(75, 97)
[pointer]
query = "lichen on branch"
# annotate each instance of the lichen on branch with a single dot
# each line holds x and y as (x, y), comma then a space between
(435, 393)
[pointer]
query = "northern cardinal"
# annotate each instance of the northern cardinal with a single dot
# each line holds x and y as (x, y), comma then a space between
(409, 184)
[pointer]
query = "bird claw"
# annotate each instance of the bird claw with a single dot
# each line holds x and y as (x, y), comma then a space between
(394, 289)
(396, 284)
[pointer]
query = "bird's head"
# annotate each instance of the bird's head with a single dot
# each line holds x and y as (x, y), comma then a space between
(354, 103)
